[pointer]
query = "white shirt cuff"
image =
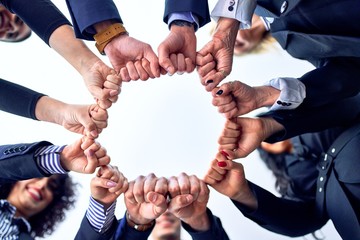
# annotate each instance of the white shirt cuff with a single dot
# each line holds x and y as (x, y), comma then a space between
(241, 10)
(293, 93)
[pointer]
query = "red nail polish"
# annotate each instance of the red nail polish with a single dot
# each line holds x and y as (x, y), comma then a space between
(225, 154)
(222, 164)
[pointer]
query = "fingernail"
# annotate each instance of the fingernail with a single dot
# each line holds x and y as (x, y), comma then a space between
(225, 154)
(189, 198)
(91, 153)
(153, 197)
(219, 92)
(94, 133)
(209, 81)
(222, 164)
(114, 93)
(111, 184)
(180, 73)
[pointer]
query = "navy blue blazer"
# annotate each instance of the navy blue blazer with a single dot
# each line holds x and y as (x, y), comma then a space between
(17, 161)
(86, 13)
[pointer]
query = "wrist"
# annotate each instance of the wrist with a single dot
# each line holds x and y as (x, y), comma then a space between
(199, 222)
(246, 197)
(183, 23)
(266, 95)
(139, 225)
(105, 36)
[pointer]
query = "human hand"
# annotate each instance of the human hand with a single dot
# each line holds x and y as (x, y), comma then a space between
(214, 60)
(132, 59)
(145, 198)
(177, 53)
(88, 120)
(108, 184)
(84, 156)
(228, 178)
(235, 98)
(189, 198)
(103, 83)
(240, 137)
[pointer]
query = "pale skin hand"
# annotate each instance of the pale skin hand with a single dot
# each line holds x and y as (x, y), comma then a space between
(87, 120)
(177, 53)
(91, 68)
(108, 184)
(189, 198)
(214, 60)
(83, 156)
(145, 198)
(241, 136)
(132, 58)
(235, 98)
(230, 180)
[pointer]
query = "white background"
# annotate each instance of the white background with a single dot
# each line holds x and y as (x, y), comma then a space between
(166, 125)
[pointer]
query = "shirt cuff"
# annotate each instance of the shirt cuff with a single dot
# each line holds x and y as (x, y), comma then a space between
(292, 93)
(241, 10)
(185, 16)
(48, 159)
(98, 218)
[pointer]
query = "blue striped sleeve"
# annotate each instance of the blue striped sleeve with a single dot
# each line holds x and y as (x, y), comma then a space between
(48, 159)
(98, 218)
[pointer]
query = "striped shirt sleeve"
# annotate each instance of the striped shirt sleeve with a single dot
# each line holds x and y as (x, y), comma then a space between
(99, 218)
(48, 159)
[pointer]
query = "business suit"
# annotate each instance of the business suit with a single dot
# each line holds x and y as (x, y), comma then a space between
(86, 13)
(327, 34)
(121, 231)
(308, 204)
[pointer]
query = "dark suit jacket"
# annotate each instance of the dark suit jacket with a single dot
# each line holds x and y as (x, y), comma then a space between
(300, 212)
(86, 13)
(327, 34)
(17, 161)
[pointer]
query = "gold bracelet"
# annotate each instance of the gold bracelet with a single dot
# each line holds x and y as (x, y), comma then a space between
(104, 37)
(139, 227)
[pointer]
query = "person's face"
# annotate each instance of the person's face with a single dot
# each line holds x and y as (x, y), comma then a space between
(12, 28)
(32, 196)
(248, 39)
(167, 227)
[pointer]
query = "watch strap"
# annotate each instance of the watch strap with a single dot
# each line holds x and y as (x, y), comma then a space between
(104, 37)
(139, 227)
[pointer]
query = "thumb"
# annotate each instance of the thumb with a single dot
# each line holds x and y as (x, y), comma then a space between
(159, 202)
(180, 201)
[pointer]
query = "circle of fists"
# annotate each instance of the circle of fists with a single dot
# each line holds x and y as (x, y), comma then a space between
(149, 196)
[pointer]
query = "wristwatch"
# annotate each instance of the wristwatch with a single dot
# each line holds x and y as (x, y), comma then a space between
(139, 227)
(182, 23)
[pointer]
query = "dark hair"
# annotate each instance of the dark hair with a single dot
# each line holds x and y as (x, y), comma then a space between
(64, 198)
(276, 163)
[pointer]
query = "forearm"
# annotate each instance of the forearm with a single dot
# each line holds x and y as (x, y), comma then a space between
(50, 110)
(42, 16)
(198, 222)
(283, 216)
(226, 30)
(73, 50)
(18, 100)
(214, 231)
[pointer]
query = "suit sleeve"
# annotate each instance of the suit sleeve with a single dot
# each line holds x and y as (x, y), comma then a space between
(304, 120)
(42, 16)
(18, 100)
(337, 79)
(86, 231)
(216, 230)
(287, 217)
(198, 7)
(124, 232)
(86, 13)
(17, 162)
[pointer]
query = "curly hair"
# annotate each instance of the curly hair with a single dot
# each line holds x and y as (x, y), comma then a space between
(64, 197)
